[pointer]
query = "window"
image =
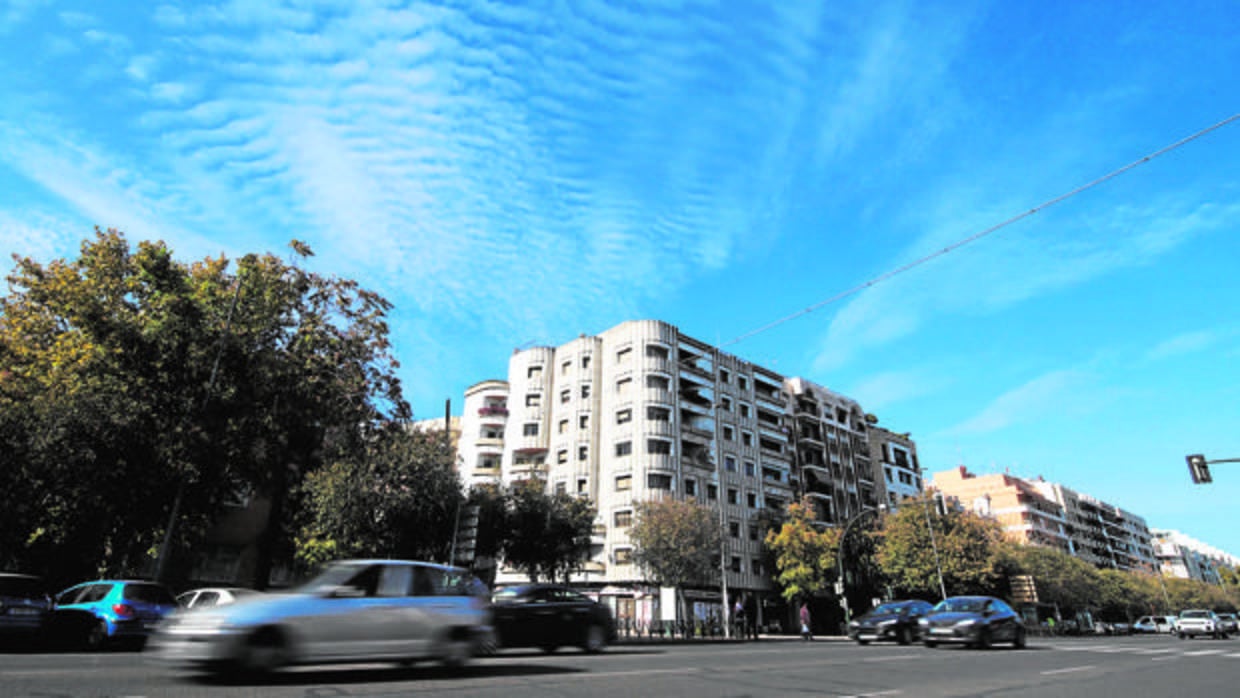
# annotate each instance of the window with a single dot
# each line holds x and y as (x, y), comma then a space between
(691, 488)
(745, 410)
(729, 434)
(623, 385)
(729, 463)
(624, 483)
(751, 500)
(533, 400)
(658, 481)
(624, 416)
(734, 529)
(747, 439)
(887, 472)
(624, 556)
(733, 496)
(658, 414)
(655, 351)
(561, 488)
(657, 382)
(583, 422)
(725, 403)
(754, 531)
(742, 382)
(563, 426)
(585, 362)
(534, 372)
(712, 492)
(565, 395)
(623, 355)
(566, 368)
(622, 519)
(624, 448)
(561, 456)
(530, 429)
(585, 391)
(724, 376)
(583, 452)
(582, 484)
(736, 564)
(658, 446)
(750, 468)
(755, 566)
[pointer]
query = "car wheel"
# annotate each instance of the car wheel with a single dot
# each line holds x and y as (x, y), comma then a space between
(595, 640)
(95, 635)
(983, 639)
(549, 649)
(264, 652)
(1182, 636)
(905, 636)
(456, 651)
(1018, 642)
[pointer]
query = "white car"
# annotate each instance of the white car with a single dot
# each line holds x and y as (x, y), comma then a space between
(1154, 624)
(214, 596)
(354, 611)
(1199, 622)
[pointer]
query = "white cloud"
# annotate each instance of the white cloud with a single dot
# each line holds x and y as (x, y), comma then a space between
(1188, 343)
(879, 391)
(1029, 402)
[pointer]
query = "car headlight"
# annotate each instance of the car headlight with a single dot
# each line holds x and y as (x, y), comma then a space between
(966, 622)
(854, 624)
(923, 622)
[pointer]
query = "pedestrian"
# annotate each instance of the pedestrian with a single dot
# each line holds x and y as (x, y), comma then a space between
(751, 615)
(806, 633)
(738, 617)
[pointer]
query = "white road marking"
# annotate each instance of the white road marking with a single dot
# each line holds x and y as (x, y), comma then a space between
(1202, 653)
(1068, 670)
(1163, 659)
(1155, 652)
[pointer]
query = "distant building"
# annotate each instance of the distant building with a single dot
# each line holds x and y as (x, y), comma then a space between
(643, 412)
(1188, 558)
(1043, 513)
(896, 470)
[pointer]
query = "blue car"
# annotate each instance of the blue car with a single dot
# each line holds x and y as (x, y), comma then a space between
(93, 614)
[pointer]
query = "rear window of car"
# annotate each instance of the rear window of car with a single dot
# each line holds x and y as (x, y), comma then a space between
(21, 586)
(149, 593)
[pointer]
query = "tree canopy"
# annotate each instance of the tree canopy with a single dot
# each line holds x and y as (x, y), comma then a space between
(968, 552)
(676, 542)
(804, 553)
(548, 535)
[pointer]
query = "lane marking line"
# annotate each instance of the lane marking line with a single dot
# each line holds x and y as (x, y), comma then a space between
(1068, 670)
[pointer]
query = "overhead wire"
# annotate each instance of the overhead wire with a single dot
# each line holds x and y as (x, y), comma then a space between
(982, 233)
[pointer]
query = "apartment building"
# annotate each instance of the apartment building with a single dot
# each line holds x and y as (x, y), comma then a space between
(643, 412)
(896, 470)
(1025, 514)
(1182, 556)
(1037, 512)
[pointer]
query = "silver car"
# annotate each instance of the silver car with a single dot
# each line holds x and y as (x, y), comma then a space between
(354, 611)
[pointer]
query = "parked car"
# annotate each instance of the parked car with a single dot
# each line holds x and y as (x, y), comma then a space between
(894, 620)
(354, 610)
(1196, 622)
(24, 605)
(1154, 624)
(92, 614)
(214, 596)
(549, 616)
(1227, 624)
(976, 621)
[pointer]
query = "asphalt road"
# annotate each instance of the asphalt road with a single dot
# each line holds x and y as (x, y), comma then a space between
(1094, 667)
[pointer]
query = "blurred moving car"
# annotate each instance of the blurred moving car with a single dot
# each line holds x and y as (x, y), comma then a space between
(976, 621)
(353, 611)
(91, 614)
(1194, 622)
(894, 620)
(1227, 624)
(549, 616)
(24, 605)
(214, 596)
(1154, 624)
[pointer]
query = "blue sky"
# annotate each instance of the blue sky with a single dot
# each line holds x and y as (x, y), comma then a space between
(522, 173)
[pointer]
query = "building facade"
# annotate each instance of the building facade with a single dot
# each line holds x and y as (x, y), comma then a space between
(1182, 556)
(642, 412)
(896, 469)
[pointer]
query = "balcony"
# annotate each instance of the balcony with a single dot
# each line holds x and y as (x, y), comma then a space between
(493, 410)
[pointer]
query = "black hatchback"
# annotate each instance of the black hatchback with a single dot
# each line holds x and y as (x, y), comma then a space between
(894, 620)
(976, 621)
(550, 616)
(24, 605)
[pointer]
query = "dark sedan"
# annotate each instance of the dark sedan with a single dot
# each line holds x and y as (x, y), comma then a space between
(549, 617)
(894, 620)
(976, 621)
(24, 606)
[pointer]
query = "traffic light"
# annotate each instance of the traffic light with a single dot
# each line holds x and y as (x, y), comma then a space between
(1199, 468)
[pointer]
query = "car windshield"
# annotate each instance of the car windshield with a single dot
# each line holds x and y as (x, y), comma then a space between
(334, 575)
(1195, 614)
(965, 605)
(890, 608)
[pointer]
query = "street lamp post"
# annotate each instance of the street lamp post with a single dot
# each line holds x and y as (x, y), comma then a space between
(841, 584)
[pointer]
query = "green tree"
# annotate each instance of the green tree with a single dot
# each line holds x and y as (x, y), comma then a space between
(968, 552)
(396, 497)
(1061, 579)
(804, 553)
(548, 535)
(135, 386)
(676, 543)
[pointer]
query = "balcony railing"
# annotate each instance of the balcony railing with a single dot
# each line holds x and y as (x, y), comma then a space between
(493, 410)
